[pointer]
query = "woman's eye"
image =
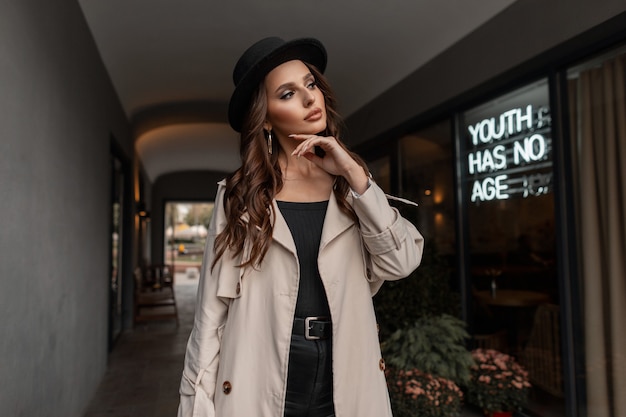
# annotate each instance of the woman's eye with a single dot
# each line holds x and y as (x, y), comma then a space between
(312, 85)
(286, 95)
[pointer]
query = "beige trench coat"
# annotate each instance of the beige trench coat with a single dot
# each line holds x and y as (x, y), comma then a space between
(237, 354)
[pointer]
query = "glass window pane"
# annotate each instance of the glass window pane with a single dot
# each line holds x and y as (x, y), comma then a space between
(508, 180)
(427, 168)
(116, 223)
(381, 172)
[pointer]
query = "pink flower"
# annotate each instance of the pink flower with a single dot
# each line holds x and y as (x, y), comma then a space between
(424, 392)
(497, 380)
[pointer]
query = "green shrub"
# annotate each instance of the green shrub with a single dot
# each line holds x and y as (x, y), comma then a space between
(434, 345)
(425, 293)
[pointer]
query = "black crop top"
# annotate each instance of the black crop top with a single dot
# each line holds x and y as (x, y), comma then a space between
(305, 221)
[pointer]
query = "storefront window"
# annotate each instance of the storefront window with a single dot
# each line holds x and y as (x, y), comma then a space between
(507, 179)
(381, 172)
(427, 169)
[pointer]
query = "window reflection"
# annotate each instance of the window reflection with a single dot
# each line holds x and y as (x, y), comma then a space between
(507, 177)
(427, 178)
(381, 172)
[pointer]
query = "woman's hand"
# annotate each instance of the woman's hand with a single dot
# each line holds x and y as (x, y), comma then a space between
(336, 161)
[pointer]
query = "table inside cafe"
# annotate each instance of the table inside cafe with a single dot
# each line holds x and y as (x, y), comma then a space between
(512, 298)
(515, 308)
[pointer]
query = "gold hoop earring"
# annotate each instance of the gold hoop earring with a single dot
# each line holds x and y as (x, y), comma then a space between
(269, 142)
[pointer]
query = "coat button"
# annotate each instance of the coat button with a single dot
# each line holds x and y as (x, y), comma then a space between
(368, 272)
(227, 387)
(238, 290)
(381, 364)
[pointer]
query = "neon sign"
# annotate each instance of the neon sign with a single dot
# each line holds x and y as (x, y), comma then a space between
(510, 155)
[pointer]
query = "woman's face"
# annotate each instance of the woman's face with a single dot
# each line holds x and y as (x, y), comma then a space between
(294, 102)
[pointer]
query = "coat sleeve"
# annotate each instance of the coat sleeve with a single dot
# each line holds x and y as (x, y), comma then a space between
(392, 244)
(198, 382)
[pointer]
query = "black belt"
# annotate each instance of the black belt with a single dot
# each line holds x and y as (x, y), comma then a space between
(313, 328)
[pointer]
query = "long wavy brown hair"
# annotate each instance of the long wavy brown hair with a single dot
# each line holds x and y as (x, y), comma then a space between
(251, 189)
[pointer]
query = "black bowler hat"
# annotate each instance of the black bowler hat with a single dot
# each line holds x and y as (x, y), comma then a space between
(259, 60)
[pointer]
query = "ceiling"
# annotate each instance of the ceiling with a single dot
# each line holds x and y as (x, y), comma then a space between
(171, 62)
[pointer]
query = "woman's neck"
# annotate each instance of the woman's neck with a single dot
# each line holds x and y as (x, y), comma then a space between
(303, 181)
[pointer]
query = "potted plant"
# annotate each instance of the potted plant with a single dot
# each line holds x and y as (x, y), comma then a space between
(415, 393)
(434, 345)
(426, 361)
(423, 341)
(498, 384)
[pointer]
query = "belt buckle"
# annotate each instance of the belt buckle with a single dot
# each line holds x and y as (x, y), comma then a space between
(308, 327)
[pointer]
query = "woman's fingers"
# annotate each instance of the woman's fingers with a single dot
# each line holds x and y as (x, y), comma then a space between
(336, 160)
(310, 141)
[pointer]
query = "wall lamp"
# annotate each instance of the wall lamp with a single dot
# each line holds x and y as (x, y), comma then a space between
(142, 211)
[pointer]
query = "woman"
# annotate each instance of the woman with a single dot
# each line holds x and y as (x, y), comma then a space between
(299, 242)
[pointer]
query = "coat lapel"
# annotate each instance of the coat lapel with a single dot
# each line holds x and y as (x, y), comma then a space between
(335, 223)
(281, 233)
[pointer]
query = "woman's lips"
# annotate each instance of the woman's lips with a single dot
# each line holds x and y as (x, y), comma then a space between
(314, 115)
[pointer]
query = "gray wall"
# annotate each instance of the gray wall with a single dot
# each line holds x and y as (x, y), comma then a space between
(57, 114)
(523, 31)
